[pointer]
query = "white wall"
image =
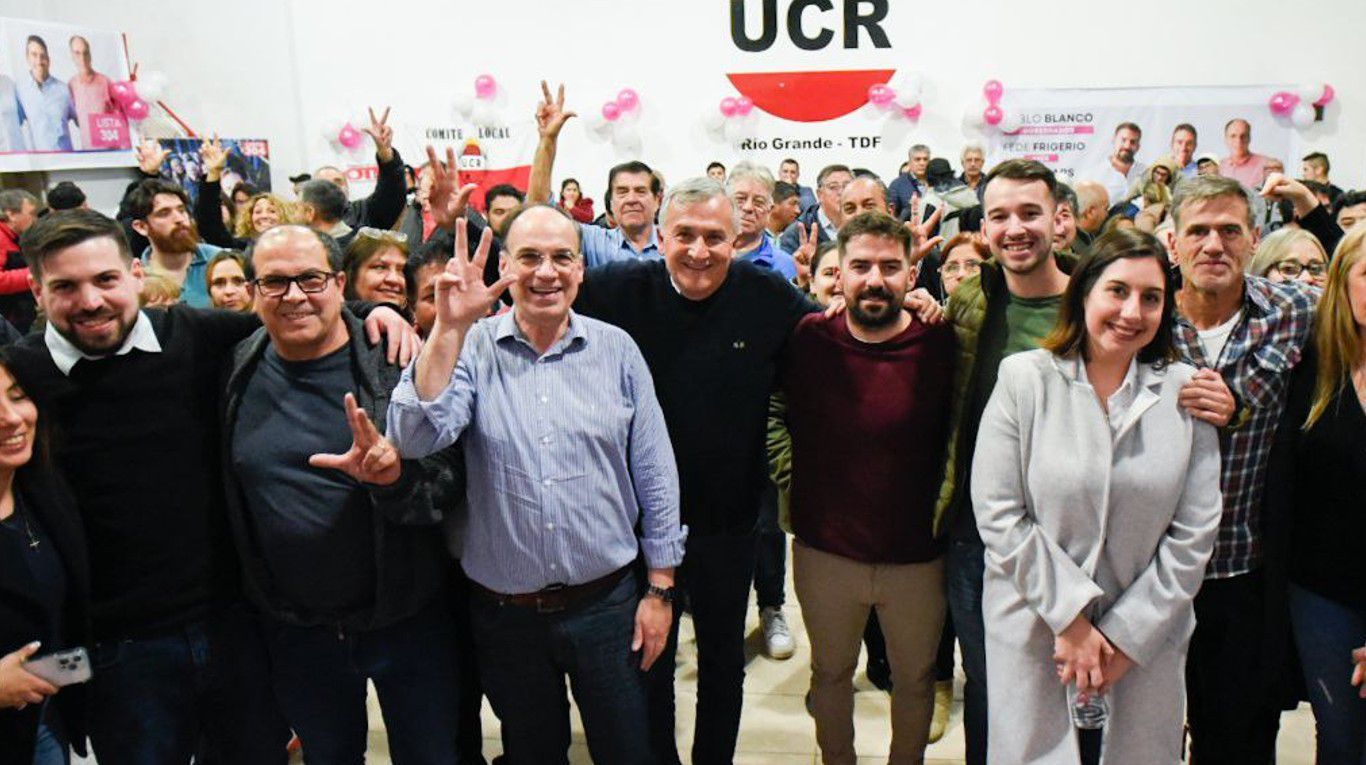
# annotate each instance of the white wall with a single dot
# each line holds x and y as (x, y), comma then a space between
(262, 68)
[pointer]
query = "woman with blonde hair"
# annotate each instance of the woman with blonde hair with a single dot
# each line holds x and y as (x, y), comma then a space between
(1314, 489)
(260, 212)
(1291, 254)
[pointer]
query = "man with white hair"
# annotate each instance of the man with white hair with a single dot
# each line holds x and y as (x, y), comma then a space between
(750, 188)
(1093, 204)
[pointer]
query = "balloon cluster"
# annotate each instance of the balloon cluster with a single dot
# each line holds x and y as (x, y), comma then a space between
(1301, 106)
(133, 95)
(618, 121)
(990, 112)
(342, 134)
(733, 121)
(897, 104)
(481, 107)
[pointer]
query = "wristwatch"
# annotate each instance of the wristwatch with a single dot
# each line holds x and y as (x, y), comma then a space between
(665, 594)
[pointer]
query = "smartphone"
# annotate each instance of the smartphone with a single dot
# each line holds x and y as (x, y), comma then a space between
(62, 668)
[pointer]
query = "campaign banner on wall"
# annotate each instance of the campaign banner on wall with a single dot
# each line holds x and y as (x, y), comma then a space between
(56, 111)
(1072, 130)
(248, 160)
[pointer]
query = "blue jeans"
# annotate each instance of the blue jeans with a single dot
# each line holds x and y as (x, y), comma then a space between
(51, 746)
(715, 575)
(770, 562)
(966, 563)
(1326, 632)
(524, 656)
(201, 691)
(319, 675)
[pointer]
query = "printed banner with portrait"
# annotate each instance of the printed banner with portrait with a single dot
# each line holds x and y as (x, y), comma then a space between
(248, 162)
(56, 110)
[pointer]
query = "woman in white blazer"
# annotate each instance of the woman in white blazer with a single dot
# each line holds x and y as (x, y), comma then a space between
(1097, 497)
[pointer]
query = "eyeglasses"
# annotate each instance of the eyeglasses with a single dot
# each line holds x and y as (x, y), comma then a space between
(963, 266)
(1293, 268)
(562, 261)
(383, 234)
(834, 186)
(310, 283)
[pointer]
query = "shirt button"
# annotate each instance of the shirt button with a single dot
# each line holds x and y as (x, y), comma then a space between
(545, 439)
(543, 399)
(548, 481)
(550, 527)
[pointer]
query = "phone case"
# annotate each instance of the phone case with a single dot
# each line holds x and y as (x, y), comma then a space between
(62, 668)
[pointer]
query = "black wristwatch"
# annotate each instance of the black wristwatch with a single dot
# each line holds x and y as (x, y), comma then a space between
(665, 594)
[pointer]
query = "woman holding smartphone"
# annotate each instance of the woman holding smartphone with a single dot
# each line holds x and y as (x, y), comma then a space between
(43, 587)
(1097, 497)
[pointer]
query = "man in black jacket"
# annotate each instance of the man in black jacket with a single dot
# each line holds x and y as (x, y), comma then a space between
(382, 208)
(179, 664)
(829, 185)
(337, 536)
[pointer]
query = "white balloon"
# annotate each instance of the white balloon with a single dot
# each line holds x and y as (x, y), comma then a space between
(914, 87)
(735, 130)
(714, 120)
(483, 114)
(906, 102)
(151, 85)
(895, 129)
(626, 140)
(1010, 122)
(973, 119)
(749, 124)
(1303, 116)
(463, 106)
(629, 117)
(1309, 93)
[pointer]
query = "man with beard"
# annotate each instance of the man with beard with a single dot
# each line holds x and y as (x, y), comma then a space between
(1124, 170)
(863, 513)
(1184, 143)
(160, 211)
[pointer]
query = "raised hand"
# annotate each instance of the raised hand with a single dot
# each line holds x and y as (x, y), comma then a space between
(371, 458)
(215, 158)
(1279, 186)
(806, 252)
(151, 157)
(446, 202)
(383, 135)
(551, 114)
(462, 298)
(1359, 672)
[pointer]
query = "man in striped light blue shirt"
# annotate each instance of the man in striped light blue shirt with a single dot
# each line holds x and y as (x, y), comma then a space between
(566, 451)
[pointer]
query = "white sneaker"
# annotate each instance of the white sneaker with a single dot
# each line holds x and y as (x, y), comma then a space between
(778, 643)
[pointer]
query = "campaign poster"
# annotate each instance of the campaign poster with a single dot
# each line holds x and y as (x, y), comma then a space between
(248, 161)
(1072, 129)
(56, 110)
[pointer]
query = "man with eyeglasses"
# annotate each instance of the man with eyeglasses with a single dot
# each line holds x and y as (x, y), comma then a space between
(750, 187)
(824, 219)
(337, 536)
(567, 454)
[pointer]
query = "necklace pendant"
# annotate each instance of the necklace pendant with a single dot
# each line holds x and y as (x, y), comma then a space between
(33, 544)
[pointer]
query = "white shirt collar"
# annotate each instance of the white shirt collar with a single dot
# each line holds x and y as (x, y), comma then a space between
(65, 355)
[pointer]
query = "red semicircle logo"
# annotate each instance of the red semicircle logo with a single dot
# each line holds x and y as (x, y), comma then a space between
(809, 96)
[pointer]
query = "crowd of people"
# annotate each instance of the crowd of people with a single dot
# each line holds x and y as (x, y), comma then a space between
(1097, 439)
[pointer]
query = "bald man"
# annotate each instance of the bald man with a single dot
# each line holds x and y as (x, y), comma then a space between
(1093, 203)
(1242, 164)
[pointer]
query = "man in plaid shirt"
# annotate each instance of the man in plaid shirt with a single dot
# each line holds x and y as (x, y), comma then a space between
(1250, 332)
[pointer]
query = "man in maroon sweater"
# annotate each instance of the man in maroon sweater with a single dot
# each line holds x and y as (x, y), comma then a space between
(868, 396)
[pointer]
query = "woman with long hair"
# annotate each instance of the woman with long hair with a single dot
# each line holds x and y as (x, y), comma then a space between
(1097, 497)
(1316, 479)
(44, 587)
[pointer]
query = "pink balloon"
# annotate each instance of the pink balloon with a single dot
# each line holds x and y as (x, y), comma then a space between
(628, 100)
(743, 105)
(123, 92)
(1328, 95)
(912, 112)
(611, 112)
(1283, 103)
(993, 91)
(730, 107)
(993, 115)
(349, 136)
(485, 86)
(137, 109)
(881, 95)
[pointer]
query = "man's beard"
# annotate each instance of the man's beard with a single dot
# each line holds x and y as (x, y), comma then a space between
(1125, 156)
(878, 318)
(182, 239)
(72, 336)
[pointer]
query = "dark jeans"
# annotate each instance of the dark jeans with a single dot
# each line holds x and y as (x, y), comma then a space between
(1233, 717)
(202, 691)
(469, 735)
(716, 575)
(770, 555)
(1326, 633)
(319, 676)
(524, 656)
(943, 663)
(966, 566)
